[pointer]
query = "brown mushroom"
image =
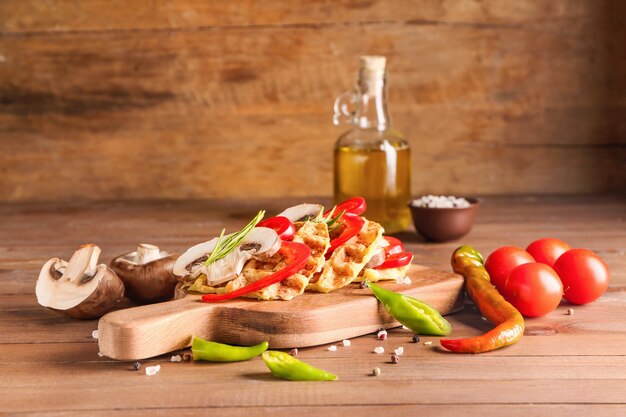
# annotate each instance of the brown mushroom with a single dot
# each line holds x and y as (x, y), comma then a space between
(302, 212)
(147, 273)
(79, 288)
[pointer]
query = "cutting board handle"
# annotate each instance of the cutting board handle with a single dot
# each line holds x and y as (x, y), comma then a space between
(152, 330)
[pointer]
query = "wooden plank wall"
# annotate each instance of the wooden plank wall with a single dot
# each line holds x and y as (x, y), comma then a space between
(118, 99)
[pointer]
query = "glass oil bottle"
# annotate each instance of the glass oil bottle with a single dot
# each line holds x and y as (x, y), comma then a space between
(371, 159)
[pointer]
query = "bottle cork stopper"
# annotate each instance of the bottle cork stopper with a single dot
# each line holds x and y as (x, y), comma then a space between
(372, 69)
(373, 62)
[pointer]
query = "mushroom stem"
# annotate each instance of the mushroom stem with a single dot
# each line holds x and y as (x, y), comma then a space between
(82, 265)
(147, 253)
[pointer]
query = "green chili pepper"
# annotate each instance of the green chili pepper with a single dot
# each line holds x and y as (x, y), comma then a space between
(286, 366)
(203, 350)
(414, 314)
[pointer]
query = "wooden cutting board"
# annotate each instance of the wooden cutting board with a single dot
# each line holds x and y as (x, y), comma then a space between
(309, 320)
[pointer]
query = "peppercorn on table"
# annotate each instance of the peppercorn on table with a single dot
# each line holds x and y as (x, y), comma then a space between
(570, 362)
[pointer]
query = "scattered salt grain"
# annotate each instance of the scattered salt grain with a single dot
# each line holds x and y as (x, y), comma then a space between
(346, 342)
(379, 350)
(152, 370)
(570, 311)
(332, 348)
(403, 280)
(382, 335)
(176, 358)
(94, 334)
(294, 352)
(428, 343)
(100, 354)
(483, 318)
(399, 351)
(395, 359)
(440, 201)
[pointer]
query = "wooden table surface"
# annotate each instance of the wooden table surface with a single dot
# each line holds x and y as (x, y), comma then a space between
(566, 365)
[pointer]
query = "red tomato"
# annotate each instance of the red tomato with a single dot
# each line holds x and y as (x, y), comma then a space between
(502, 261)
(352, 225)
(534, 289)
(354, 205)
(395, 245)
(584, 274)
(547, 250)
(396, 260)
(280, 225)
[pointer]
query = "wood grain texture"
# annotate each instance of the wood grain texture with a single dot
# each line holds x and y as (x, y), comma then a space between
(565, 365)
(27, 16)
(193, 99)
(308, 320)
(396, 410)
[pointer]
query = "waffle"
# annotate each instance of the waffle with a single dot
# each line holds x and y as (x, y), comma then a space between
(348, 260)
(374, 275)
(315, 236)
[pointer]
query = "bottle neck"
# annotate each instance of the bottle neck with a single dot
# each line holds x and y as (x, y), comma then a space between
(371, 101)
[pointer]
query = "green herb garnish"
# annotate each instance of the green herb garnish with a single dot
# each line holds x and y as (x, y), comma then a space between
(332, 221)
(330, 215)
(226, 245)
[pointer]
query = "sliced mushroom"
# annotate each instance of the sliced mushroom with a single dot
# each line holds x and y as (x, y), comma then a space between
(260, 241)
(147, 273)
(302, 211)
(377, 259)
(79, 288)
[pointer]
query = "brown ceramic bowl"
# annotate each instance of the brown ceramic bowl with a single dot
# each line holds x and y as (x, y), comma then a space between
(444, 224)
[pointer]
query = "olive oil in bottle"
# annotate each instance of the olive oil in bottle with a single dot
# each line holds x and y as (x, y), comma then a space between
(371, 159)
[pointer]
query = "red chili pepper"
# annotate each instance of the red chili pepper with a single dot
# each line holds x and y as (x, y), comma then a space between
(352, 225)
(509, 322)
(395, 245)
(354, 205)
(396, 260)
(280, 225)
(296, 254)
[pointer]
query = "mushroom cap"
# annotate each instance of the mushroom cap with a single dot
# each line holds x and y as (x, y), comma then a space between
(151, 282)
(296, 213)
(266, 238)
(87, 300)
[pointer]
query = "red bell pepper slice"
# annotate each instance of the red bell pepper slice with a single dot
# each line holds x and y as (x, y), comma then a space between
(296, 254)
(352, 225)
(354, 205)
(395, 245)
(280, 225)
(396, 260)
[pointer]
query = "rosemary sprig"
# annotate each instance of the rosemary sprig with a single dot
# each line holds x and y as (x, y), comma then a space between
(320, 218)
(330, 214)
(226, 245)
(332, 221)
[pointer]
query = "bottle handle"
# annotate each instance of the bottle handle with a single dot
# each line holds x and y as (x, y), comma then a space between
(345, 108)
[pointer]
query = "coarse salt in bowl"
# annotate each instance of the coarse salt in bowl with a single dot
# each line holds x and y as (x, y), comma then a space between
(441, 218)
